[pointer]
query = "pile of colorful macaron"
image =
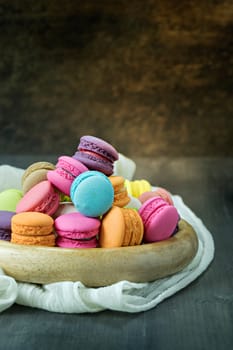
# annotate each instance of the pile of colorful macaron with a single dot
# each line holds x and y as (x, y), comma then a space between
(80, 203)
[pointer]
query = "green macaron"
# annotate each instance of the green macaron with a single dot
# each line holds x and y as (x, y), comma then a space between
(9, 199)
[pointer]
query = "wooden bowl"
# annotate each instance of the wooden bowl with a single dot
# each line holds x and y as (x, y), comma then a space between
(96, 267)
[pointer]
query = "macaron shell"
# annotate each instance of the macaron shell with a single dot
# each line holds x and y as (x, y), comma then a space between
(40, 198)
(137, 228)
(34, 174)
(137, 187)
(71, 166)
(43, 240)
(92, 193)
(67, 169)
(112, 229)
(32, 223)
(96, 154)
(35, 167)
(64, 242)
(9, 199)
(61, 180)
(99, 146)
(93, 162)
(33, 179)
(121, 197)
(128, 227)
(159, 222)
(76, 226)
(133, 227)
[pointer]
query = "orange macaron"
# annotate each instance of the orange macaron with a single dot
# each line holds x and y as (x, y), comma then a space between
(121, 197)
(121, 227)
(32, 228)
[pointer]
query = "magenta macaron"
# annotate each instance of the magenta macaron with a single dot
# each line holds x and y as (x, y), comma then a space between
(75, 230)
(40, 198)
(159, 218)
(96, 154)
(67, 169)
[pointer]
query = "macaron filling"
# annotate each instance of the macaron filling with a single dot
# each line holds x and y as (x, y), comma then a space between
(94, 155)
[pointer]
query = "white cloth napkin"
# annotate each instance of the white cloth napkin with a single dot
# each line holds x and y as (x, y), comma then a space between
(74, 297)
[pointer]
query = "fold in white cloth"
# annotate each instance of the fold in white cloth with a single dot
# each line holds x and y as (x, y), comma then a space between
(74, 297)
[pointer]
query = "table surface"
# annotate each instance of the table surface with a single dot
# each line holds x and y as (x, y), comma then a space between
(197, 317)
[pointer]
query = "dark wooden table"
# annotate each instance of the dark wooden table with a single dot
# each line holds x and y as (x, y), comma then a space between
(198, 317)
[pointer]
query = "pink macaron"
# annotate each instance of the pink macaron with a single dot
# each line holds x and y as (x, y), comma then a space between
(75, 230)
(161, 192)
(67, 169)
(41, 198)
(64, 242)
(160, 219)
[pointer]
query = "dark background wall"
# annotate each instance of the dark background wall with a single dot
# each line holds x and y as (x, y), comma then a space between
(152, 77)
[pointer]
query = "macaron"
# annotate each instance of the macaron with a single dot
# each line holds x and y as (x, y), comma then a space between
(32, 228)
(121, 197)
(121, 227)
(9, 199)
(92, 193)
(5, 224)
(40, 198)
(75, 230)
(67, 169)
(161, 192)
(34, 174)
(96, 154)
(160, 219)
(137, 187)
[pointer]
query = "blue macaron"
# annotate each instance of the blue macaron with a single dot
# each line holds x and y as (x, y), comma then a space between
(92, 193)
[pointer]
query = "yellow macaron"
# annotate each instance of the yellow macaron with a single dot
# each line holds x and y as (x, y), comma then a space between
(137, 187)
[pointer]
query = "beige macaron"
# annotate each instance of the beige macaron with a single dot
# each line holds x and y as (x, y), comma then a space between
(34, 174)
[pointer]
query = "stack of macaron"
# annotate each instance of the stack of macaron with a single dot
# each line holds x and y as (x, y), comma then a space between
(80, 203)
(75, 230)
(32, 228)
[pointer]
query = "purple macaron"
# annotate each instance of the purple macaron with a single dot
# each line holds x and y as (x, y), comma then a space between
(96, 154)
(5, 224)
